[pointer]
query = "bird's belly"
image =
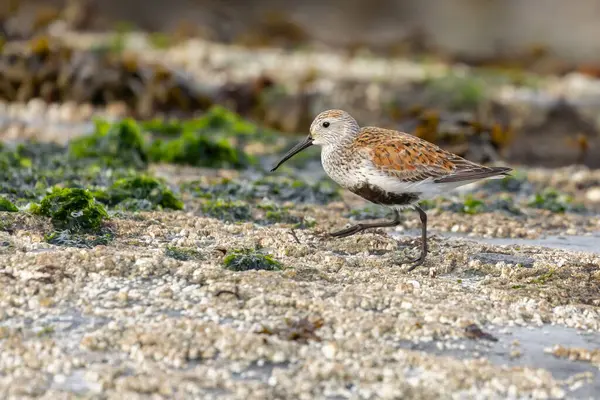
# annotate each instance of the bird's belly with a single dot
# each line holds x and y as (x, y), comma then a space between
(361, 182)
(377, 195)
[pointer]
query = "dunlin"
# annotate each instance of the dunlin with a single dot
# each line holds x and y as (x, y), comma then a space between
(387, 167)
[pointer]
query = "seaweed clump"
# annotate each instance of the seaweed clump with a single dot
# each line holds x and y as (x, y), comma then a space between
(141, 193)
(7, 205)
(115, 144)
(217, 120)
(77, 217)
(283, 189)
(200, 150)
(227, 210)
(72, 209)
(553, 201)
(514, 183)
(470, 205)
(276, 214)
(182, 253)
(204, 142)
(249, 260)
(274, 188)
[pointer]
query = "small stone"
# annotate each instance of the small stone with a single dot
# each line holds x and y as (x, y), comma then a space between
(329, 350)
(593, 195)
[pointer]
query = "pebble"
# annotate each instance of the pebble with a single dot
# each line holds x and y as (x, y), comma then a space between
(593, 195)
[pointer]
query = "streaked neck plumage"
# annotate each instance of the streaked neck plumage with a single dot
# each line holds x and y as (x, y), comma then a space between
(339, 160)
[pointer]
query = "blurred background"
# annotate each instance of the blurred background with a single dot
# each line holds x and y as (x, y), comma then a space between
(474, 30)
(488, 79)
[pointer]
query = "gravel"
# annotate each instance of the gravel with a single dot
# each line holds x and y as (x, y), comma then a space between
(343, 319)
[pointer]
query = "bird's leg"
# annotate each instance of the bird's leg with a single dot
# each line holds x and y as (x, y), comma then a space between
(361, 227)
(419, 260)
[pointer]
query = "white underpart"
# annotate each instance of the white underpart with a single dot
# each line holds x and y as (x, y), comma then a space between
(428, 188)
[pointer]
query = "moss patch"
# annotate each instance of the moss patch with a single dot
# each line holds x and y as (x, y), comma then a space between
(281, 188)
(7, 205)
(273, 188)
(116, 144)
(205, 141)
(249, 259)
(550, 199)
(217, 120)
(199, 150)
(80, 239)
(72, 209)
(182, 253)
(516, 182)
(471, 205)
(141, 193)
(457, 92)
(275, 214)
(227, 210)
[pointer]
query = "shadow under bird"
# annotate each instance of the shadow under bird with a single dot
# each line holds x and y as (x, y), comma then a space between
(387, 167)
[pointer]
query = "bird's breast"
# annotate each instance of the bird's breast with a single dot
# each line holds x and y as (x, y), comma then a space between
(345, 170)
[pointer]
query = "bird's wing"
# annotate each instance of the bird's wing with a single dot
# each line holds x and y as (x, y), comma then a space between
(410, 159)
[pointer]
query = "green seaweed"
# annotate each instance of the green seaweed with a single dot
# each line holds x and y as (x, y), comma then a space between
(141, 192)
(514, 183)
(7, 205)
(217, 120)
(507, 204)
(220, 119)
(199, 142)
(552, 200)
(14, 158)
(281, 188)
(468, 205)
(160, 40)
(472, 205)
(368, 212)
(182, 253)
(250, 259)
(223, 188)
(544, 278)
(275, 214)
(227, 210)
(200, 150)
(273, 188)
(80, 239)
(458, 91)
(72, 209)
(428, 204)
(46, 331)
(115, 144)
(205, 141)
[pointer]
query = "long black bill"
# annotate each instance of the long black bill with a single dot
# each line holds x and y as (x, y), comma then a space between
(295, 150)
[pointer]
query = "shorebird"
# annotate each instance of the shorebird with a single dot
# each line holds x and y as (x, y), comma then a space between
(387, 167)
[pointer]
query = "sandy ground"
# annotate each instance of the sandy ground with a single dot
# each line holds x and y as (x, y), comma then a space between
(342, 318)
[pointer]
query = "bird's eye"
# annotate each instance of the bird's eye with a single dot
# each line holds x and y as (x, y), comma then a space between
(325, 124)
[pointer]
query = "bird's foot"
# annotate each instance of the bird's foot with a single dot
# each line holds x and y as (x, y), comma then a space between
(348, 231)
(416, 261)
